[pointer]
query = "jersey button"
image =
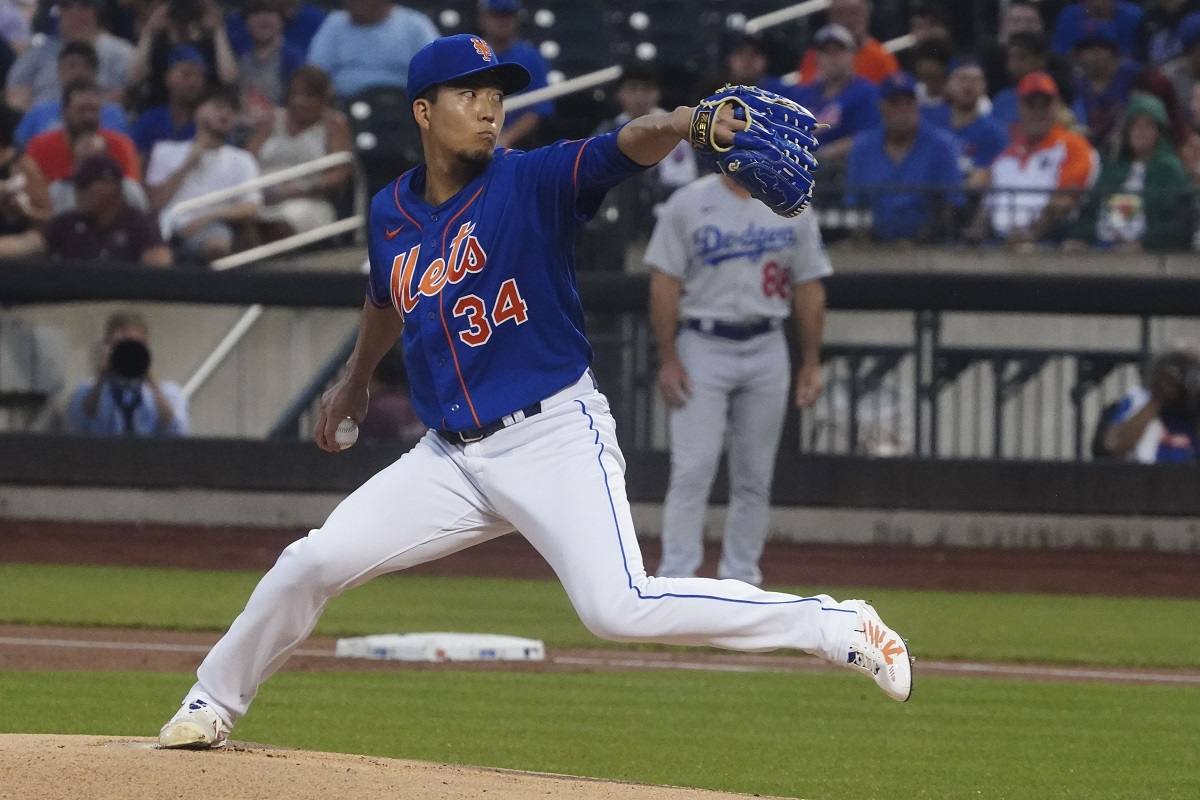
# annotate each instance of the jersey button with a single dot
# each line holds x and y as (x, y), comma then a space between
(429, 315)
(454, 407)
(441, 362)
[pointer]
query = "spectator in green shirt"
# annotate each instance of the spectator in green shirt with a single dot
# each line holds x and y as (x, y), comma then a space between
(1142, 199)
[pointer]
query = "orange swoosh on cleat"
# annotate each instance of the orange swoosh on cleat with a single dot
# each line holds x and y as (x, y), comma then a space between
(891, 649)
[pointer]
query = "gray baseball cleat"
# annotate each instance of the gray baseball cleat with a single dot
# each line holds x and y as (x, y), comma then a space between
(880, 652)
(196, 726)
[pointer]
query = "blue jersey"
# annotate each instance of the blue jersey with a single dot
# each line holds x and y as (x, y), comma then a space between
(876, 182)
(485, 281)
(979, 141)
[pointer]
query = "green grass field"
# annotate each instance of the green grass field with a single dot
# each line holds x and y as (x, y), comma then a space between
(996, 627)
(824, 736)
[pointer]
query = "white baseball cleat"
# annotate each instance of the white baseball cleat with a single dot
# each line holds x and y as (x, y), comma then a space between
(196, 726)
(880, 652)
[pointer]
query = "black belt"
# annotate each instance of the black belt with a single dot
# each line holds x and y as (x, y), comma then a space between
(731, 330)
(475, 434)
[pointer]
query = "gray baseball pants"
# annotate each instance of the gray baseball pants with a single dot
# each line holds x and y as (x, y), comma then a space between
(739, 388)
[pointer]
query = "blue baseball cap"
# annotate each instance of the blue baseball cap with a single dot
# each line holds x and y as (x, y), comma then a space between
(500, 6)
(1189, 30)
(1098, 32)
(185, 53)
(452, 57)
(897, 83)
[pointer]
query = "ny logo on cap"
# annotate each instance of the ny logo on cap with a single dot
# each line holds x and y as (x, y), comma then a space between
(482, 47)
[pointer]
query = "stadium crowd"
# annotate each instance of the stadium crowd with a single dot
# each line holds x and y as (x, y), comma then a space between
(1076, 126)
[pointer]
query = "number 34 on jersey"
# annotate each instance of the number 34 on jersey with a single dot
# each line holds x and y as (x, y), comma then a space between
(466, 257)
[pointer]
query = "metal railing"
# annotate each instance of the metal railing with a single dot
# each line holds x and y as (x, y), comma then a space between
(923, 398)
(954, 376)
(209, 364)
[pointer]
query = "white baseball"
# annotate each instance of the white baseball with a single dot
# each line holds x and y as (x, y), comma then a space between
(347, 433)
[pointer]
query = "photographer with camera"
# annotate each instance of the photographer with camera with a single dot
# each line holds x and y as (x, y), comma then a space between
(1159, 424)
(125, 399)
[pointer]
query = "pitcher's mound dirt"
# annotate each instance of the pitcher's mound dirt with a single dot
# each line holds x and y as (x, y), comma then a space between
(117, 768)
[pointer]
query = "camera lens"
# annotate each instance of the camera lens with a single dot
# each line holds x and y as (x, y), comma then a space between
(130, 359)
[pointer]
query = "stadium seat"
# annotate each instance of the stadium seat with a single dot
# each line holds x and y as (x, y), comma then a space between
(385, 135)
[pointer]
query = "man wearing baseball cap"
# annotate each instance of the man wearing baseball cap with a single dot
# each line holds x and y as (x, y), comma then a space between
(500, 22)
(1104, 82)
(840, 99)
(472, 262)
(871, 59)
(104, 227)
(1023, 208)
(905, 152)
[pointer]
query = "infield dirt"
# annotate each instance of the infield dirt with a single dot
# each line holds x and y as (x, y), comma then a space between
(116, 768)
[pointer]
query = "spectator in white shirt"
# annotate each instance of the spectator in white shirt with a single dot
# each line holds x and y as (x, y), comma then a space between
(181, 171)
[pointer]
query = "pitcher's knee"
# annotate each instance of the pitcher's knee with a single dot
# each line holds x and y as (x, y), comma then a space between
(615, 621)
(303, 567)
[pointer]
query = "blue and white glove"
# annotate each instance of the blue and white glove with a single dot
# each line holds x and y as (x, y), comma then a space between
(772, 158)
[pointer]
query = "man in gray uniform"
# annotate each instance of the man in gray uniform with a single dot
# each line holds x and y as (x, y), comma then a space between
(727, 273)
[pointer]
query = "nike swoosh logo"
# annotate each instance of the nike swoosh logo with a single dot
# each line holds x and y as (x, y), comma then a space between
(389, 235)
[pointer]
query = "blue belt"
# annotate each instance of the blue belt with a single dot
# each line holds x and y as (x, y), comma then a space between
(475, 434)
(732, 330)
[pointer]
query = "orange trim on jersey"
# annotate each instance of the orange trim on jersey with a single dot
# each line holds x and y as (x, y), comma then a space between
(442, 313)
(396, 198)
(578, 157)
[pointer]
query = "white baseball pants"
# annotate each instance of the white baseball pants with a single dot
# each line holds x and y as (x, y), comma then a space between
(558, 478)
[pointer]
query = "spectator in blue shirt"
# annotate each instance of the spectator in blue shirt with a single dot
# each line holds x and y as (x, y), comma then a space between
(125, 399)
(1073, 21)
(77, 62)
(905, 172)
(300, 24)
(499, 22)
(980, 138)
(840, 99)
(1158, 36)
(369, 44)
(186, 81)
(1104, 83)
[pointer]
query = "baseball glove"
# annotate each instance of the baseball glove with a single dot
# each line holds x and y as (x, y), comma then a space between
(772, 158)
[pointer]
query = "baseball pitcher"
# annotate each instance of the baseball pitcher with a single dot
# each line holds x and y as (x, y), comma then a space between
(472, 264)
(727, 275)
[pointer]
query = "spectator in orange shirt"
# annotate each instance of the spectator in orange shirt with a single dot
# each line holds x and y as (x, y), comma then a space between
(1039, 180)
(871, 61)
(55, 151)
